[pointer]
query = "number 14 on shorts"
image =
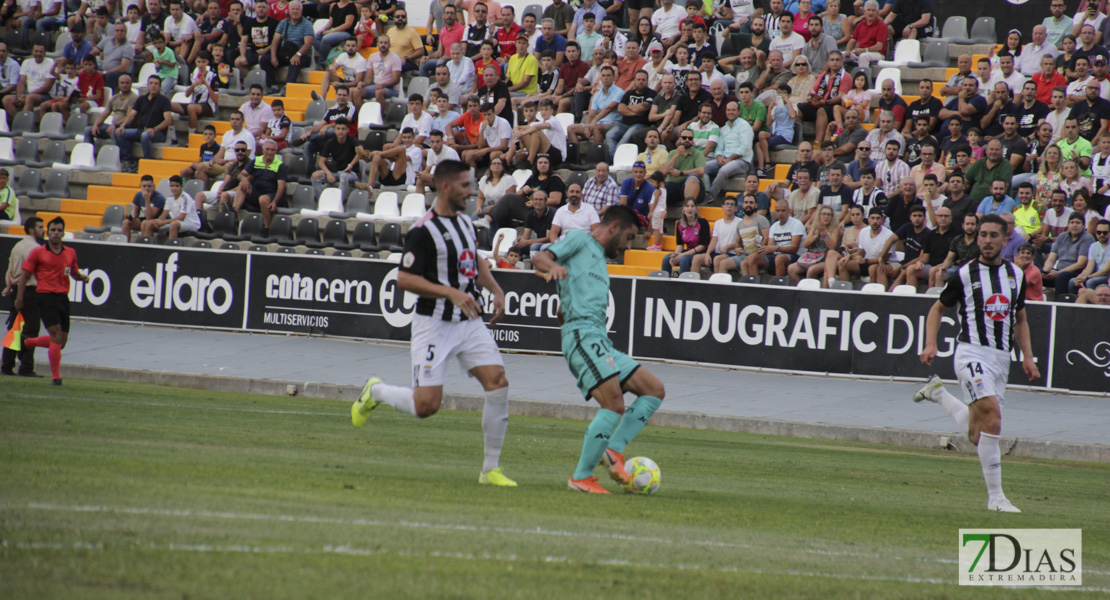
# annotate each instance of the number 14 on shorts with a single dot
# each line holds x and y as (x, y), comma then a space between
(975, 387)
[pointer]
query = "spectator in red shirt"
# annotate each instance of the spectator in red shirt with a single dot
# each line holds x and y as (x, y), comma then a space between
(1048, 79)
(90, 83)
(1034, 287)
(485, 59)
(868, 43)
(570, 72)
(52, 265)
(506, 32)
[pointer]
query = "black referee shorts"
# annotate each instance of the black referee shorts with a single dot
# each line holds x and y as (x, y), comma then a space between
(54, 310)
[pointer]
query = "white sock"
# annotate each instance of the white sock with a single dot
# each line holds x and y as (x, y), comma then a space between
(991, 460)
(955, 407)
(396, 396)
(495, 420)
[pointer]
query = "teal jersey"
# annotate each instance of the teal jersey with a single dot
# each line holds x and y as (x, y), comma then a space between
(584, 294)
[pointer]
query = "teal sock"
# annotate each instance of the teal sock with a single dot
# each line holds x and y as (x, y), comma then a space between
(597, 439)
(635, 419)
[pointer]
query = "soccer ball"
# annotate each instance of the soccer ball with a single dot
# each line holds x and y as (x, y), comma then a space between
(643, 476)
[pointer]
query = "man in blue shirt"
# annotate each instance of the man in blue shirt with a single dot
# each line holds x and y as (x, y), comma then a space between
(292, 47)
(603, 111)
(637, 192)
(147, 204)
(79, 47)
(550, 40)
(998, 203)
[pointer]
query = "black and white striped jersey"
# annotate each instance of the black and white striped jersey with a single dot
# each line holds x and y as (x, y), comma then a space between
(869, 201)
(988, 297)
(1100, 170)
(442, 250)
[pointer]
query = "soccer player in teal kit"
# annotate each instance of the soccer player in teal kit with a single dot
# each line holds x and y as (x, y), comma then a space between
(577, 264)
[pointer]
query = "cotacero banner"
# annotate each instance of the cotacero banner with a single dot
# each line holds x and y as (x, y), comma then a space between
(727, 325)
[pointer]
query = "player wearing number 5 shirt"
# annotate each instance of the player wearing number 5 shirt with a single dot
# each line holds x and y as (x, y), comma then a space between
(441, 265)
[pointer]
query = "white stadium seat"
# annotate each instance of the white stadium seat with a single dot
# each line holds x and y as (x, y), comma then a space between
(624, 157)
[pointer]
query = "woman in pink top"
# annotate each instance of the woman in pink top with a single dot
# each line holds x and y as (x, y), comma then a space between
(801, 20)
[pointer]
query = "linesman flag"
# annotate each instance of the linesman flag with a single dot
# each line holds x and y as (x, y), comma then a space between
(13, 340)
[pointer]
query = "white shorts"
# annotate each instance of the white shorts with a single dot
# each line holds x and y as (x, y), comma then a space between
(185, 227)
(657, 219)
(982, 371)
(436, 342)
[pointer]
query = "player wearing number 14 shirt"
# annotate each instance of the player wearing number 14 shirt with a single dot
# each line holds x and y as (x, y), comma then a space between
(440, 264)
(990, 295)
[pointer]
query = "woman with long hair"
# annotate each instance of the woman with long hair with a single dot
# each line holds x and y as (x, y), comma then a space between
(493, 185)
(1073, 179)
(1067, 47)
(544, 178)
(822, 236)
(1049, 177)
(836, 24)
(691, 238)
(1012, 48)
(644, 34)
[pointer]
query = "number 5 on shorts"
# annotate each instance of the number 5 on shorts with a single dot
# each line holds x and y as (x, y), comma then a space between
(432, 353)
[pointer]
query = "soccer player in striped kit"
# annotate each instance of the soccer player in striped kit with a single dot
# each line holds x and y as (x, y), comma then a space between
(441, 265)
(990, 294)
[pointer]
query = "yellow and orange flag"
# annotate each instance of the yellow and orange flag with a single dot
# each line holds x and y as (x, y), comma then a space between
(13, 340)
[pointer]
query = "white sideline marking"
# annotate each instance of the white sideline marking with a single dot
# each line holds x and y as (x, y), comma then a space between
(340, 413)
(353, 551)
(190, 406)
(161, 512)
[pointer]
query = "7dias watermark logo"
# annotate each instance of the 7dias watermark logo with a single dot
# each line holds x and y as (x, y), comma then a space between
(1021, 557)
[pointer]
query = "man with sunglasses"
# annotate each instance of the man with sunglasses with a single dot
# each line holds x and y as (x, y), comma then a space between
(405, 41)
(233, 167)
(1097, 270)
(227, 152)
(684, 169)
(862, 161)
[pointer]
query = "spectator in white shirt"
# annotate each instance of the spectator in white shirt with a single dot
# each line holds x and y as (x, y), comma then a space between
(573, 215)
(667, 21)
(180, 215)
(9, 71)
(1029, 61)
(256, 113)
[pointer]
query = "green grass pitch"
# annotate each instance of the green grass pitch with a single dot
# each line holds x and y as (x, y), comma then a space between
(115, 490)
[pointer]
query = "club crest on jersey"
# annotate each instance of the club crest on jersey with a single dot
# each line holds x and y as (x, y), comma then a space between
(997, 307)
(468, 265)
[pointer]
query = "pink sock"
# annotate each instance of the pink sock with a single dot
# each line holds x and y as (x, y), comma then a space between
(55, 355)
(43, 341)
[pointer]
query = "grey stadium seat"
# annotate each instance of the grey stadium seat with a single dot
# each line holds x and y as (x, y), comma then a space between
(281, 230)
(303, 198)
(111, 221)
(954, 30)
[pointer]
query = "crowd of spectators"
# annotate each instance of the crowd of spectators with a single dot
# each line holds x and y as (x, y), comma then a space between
(707, 91)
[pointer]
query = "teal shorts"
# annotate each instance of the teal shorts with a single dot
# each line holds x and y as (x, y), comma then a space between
(593, 360)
